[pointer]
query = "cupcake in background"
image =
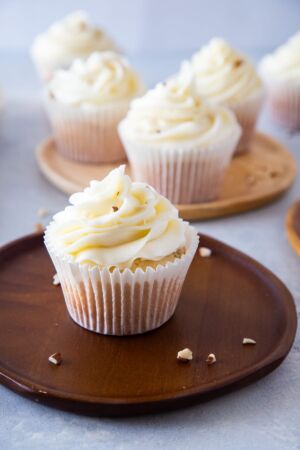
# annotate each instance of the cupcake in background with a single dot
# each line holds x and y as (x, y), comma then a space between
(121, 254)
(85, 104)
(281, 74)
(224, 76)
(178, 143)
(70, 38)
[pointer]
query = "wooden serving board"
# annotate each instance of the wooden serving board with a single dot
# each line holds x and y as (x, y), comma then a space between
(293, 226)
(225, 298)
(252, 180)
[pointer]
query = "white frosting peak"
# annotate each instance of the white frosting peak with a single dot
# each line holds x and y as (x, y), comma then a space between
(223, 75)
(173, 111)
(70, 38)
(103, 77)
(284, 63)
(115, 221)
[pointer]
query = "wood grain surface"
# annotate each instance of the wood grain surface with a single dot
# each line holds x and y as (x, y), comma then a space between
(252, 180)
(225, 298)
(293, 226)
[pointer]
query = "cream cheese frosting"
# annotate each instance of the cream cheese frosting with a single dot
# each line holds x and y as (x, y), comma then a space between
(223, 75)
(70, 38)
(173, 111)
(284, 63)
(114, 222)
(102, 78)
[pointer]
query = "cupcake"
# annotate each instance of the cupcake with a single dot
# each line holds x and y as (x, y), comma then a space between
(86, 102)
(178, 143)
(71, 38)
(224, 76)
(281, 74)
(121, 254)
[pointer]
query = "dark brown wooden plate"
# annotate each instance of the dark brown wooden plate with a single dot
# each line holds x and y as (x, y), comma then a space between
(225, 298)
(293, 226)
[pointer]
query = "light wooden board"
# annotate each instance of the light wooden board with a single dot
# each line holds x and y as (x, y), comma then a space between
(252, 180)
(293, 226)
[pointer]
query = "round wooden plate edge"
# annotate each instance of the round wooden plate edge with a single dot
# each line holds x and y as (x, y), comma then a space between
(292, 235)
(137, 405)
(210, 210)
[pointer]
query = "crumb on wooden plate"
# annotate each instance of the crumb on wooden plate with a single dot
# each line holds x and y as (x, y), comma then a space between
(55, 281)
(248, 341)
(205, 252)
(211, 359)
(55, 359)
(185, 355)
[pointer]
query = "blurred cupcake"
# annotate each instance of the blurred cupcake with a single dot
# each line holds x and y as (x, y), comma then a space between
(281, 74)
(85, 104)
(71, 38)
(121, 254)
(224, 76)
(178, 143)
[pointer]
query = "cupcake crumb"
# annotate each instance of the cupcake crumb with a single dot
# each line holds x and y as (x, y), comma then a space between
(55, 280)
(205, 252)
(55, 359)
(248, 341)
(211, 359)
(274, 174)
(42, 212)
(39, 227)
(185, 355)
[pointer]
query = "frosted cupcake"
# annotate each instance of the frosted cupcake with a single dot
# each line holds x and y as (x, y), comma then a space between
(225, 76)
(121, 254)
(281, 74)
(178, 143)
(85, 104)
(70, 38)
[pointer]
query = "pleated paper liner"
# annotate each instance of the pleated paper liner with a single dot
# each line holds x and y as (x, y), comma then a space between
(252, 180)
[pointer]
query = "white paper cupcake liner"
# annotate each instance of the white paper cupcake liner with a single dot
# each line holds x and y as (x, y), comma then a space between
(122, 303)
(283, 101)
(88, 135)
(183, 174)
(247, 113)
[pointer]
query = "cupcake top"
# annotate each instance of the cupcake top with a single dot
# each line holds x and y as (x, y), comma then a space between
(284, 63)
(114, 222)
(70, 38)
(104, 77)
(222, 74)
(173, 111)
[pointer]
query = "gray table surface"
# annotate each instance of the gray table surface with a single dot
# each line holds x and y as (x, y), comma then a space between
(264, 415)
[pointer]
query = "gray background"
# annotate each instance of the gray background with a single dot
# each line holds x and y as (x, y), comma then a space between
(156, 35)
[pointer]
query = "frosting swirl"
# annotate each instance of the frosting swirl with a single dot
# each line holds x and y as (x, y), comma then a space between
(113, 222)
(102, 78)
(222, 75)
(173, 111)
(69, 38)
(284, 63)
